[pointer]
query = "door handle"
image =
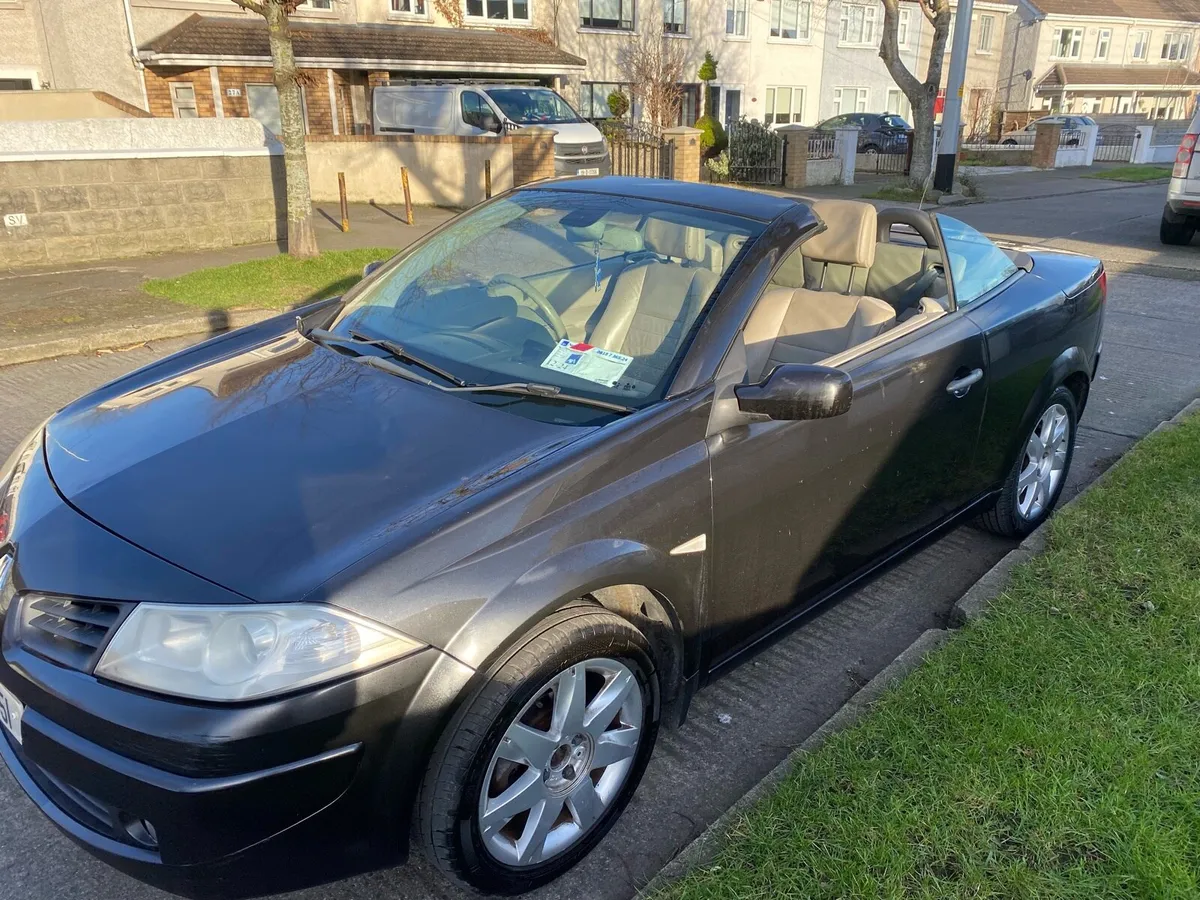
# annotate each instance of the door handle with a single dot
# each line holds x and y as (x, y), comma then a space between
(959, 386)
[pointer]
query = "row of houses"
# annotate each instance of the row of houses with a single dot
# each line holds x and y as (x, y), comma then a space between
(780, 61)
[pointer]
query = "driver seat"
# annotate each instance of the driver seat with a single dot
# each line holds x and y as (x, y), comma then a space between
(654, 301)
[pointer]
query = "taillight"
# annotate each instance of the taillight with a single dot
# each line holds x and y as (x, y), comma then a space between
(1103, 285)
(1183, 159)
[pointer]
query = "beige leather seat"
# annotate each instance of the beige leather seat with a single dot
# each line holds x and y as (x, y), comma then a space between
(654, 301)
(839, 258)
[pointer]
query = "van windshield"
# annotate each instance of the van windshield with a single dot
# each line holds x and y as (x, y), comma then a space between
(533, 106)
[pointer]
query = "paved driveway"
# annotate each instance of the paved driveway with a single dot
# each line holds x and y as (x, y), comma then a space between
(772, 702)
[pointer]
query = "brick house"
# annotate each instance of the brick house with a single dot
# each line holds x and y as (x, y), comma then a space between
(221, 66)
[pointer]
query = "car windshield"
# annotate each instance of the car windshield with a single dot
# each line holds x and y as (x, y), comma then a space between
(976, 264)
(894, 122)
(594, 294)
(533, 106)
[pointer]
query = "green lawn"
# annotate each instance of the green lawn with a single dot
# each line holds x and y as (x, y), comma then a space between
(1133, 173)
(1051, 750)
(903, 193)
(276, 282)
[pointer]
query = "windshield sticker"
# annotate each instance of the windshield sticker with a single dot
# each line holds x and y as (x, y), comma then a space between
(590, 363)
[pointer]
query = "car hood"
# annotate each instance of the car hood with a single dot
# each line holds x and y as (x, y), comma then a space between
(577, 133)
(269, 470)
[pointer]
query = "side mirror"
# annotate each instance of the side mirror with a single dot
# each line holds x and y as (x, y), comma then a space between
(796, 392)
(371, 267)
(488, 122)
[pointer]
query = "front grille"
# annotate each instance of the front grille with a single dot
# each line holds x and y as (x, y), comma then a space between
(68, 631)
(579, 151)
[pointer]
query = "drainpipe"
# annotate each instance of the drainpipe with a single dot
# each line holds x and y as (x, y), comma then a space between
(133, 54)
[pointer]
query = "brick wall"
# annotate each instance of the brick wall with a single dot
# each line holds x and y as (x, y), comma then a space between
(1045, 145)
(158, 90)
(106, 208)
(532, 155)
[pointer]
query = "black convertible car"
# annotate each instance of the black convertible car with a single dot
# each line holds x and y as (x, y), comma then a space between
(429, 564)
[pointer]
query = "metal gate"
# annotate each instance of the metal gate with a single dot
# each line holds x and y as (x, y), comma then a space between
(884, 154)
(640, 150)
(755, 153)
(1114, 143)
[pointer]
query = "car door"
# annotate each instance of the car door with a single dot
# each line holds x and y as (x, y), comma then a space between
(800, 508)
(477, 114)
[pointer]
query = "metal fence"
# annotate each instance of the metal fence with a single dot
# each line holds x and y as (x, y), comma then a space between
(1114, 143)
(755, 153)
(639, 150)
(884, 154)
(821, 145)
(1070, 139)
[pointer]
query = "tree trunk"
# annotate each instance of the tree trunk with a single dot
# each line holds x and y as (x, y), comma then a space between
(922, 154)
(301, 236)
(921, 94)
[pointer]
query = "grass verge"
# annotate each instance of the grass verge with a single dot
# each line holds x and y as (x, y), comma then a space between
(1133, 173)
(1051, 750)
(903, 193)
(276, 282)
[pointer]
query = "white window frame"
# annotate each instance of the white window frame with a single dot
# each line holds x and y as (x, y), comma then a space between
(508, 20)
(310, 6)
(671, 26)
(623, 7)
(987, 29)
(732, 9)
(177, 104)
(861, 100)
(1178, 42)
(1103, 39)
(1075, 50)
(903, 108)
(23, 73)
(1141, 39)
(394, 12)
(902, 27)
(795, 111)
(775, 25)
(867, 20)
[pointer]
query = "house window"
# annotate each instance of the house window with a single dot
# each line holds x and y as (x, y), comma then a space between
(735, 17)
(615, 14)
(183, 100)
(898, 103)
(1176, 46)
(784, 105)
(409, 7)
(499, 10)
(1068, 42)
(674, 16)
(593, 98)
(790, 19)
(850, 99)
(316, 4)
(858, 24)
(902, 28)
(987, 25)
(1141, 44)
(1103, 42)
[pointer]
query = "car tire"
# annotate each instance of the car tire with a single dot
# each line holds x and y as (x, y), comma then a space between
(1009, 143)
(581, 646)
(1176, 234)
(1018, 512)
(871, 149)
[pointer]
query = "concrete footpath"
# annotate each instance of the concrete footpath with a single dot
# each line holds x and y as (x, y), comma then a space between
(61, 310)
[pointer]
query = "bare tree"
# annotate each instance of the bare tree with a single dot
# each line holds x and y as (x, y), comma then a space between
(654, 66)
(921, 94)
(301, 236)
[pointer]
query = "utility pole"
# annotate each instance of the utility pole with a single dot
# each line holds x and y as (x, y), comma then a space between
(943, 174)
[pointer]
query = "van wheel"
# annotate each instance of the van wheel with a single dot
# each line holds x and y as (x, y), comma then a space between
(1179, 234)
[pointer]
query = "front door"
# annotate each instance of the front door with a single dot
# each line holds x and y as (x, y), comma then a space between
(799, 507)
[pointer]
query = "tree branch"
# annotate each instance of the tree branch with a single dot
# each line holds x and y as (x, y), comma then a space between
(927, 10)
(252, 5)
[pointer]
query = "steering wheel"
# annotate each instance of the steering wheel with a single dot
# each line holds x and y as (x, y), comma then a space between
(540, 303)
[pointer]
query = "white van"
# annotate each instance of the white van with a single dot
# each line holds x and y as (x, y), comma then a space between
(491, 109)
(1181, 215)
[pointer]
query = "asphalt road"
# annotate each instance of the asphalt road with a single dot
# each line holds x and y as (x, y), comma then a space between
(1149, 371)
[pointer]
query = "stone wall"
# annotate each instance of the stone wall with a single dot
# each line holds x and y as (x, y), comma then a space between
(79, 210)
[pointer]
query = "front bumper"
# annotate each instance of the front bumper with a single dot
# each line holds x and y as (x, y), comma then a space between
(241, 801)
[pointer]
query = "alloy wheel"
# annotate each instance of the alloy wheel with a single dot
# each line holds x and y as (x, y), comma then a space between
(1044, 462)
(561, 762)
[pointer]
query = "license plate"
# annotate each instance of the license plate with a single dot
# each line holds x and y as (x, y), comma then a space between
(11, 710)
(588, 172)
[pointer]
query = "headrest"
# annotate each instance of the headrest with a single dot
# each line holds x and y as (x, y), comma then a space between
(669, 239)
(849, 235)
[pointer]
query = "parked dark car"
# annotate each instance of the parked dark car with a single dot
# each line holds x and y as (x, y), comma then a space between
(877, 132)
(431, 564)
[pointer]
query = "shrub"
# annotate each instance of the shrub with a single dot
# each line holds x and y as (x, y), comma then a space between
(719, 166)
(712, 135)
(618, 104)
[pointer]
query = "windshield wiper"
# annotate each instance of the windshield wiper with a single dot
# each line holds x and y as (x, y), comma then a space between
(533, 389)
(397, 352)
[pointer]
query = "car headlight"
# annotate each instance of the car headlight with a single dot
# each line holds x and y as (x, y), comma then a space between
(12, 476)
(233, 653)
